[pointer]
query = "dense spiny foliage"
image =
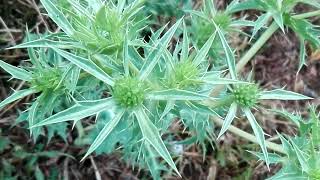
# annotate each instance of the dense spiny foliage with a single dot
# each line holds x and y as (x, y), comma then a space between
(108, 61)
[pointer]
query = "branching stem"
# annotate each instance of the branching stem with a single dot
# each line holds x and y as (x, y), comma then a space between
(270, 145)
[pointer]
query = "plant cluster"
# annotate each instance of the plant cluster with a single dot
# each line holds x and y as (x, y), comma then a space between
(101, 64)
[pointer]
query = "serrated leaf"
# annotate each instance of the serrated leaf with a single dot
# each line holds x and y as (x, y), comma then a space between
(203, 52)
(231, 61)
(258, 132)
(283, 95)
(16, 96)
(302, 159)
(104, 133)
(274, 158)
(154, 57)
(229, 118)
(79, 111)
(176, 94)
(285, 144)
(86, 65)
(151, 134)
(15, 72)
(58, 17)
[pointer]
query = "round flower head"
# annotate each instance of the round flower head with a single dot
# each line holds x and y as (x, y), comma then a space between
(129, 92)
(48, 79)
(184, 75)
(315, 174)
(246, 95)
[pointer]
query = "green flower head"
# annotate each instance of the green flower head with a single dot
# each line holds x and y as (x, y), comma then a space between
(47, 79)
(184, 75)
(246, 95)
(129, 92)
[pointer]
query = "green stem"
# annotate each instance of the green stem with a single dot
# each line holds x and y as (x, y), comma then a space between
(257, 46)
(265, 37)
(270, 145)
(80, 129)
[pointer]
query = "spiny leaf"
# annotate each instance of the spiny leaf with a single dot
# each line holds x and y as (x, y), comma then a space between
(258, 131)
(229, 118)
(154, 57)
(86, 65)
(16, 73)
(218, 80)
(301, 157)
(176, 94)
(228, 52)
(79, 111)
(104, 133)
(58, 17)
(201, 55)
(283, 95)
(274, 158)
(237, 6)
(45, 43)
(302, 54)
(169, 106)
(185, 44)
(278, 18)
(150, 133)
(17, 95)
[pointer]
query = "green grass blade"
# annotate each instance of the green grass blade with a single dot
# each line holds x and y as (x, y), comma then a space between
(283, 95)
(231, 61)
(16, 96)
(104, 133)
(79, 111)
(58, 17)
(86, 65)
(203, 52)
(258, 131)
(176, 94)
(151, 135)
(154, 57)
(229, 118)
(15, 72)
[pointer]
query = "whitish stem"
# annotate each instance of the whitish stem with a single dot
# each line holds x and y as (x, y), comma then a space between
(270, 145)
(265, 37)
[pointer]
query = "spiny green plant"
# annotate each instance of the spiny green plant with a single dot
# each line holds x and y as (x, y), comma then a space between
(300, 157)
(136, 88)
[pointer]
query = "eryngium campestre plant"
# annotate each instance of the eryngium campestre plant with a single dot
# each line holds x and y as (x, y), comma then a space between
(102, 66)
